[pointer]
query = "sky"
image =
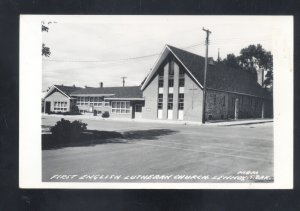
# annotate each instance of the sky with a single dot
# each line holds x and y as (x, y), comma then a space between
(90, 50)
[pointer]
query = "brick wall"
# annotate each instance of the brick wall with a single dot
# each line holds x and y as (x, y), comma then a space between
(150, 93)
(193, 99)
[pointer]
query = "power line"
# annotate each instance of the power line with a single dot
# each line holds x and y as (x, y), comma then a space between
(118, 60)
(125, 60)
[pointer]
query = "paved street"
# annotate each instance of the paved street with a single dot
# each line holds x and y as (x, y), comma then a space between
(163, 149)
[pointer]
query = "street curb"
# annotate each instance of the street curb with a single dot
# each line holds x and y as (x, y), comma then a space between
(224, 123)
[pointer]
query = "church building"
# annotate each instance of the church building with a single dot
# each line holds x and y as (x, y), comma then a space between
(174, 90)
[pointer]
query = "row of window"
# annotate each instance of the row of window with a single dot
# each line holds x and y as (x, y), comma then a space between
(170, 101)
(171, 82)
(95, 104)
(120, 107)
(171, 76)
(60, 106)
(89, 99)
(117, 107)
(171, 71)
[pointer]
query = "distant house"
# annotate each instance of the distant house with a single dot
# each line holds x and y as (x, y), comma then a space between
(58, 98)
(121, 102)
(172, 90)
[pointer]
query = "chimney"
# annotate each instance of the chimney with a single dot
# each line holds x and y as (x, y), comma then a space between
(74, 85)
(101, 84)
(85, 86)
(211, 61)
(260, 77)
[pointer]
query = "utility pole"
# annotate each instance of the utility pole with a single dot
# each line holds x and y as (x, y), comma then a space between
(205, 72)
(123, 80)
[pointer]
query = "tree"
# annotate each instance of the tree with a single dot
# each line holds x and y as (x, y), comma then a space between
(267, 63)
(252, 59)
(255, 58)
(44, 28)
(45, 50)
(231, 60)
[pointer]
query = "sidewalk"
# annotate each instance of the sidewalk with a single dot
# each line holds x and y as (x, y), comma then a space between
(238, 122)
(208, 123)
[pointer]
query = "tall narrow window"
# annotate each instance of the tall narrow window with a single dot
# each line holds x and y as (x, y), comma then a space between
(171, 82)
(181, 73)
(161, 83)
(160, 101)
(181, 82)
(171, 74)
(181, 101)
(161, 78)
(215, 99)
(161, 73)
(170, 101)
(224, 99)
(171, 68)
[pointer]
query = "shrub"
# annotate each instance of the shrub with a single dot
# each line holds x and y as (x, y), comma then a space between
(105, 114)
(71, 113)
(65, 113)
(74, 110)
(66, 131)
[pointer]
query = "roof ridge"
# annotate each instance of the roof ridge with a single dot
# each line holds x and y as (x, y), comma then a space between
(67, 86)
(111, 87)
(176, 48)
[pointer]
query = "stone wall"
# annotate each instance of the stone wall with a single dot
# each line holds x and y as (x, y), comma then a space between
(216, 105)
(247, 106)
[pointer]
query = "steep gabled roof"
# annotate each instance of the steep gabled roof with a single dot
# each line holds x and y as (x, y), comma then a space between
(113, 92)
(219, 76)
(67, 89)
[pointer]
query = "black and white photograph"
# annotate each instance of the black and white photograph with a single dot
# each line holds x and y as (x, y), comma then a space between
(156, 101)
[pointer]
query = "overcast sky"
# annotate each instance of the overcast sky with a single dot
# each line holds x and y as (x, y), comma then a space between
(89, 52)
